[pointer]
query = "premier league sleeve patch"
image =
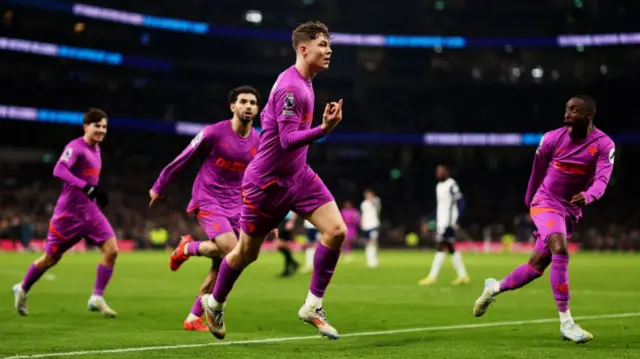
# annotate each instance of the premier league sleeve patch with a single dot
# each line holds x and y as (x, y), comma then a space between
(289, 100)
(67, 154)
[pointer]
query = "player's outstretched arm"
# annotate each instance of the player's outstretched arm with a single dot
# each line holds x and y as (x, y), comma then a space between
(540, 165)
(604, 168)
(197, 145)
(62, 169)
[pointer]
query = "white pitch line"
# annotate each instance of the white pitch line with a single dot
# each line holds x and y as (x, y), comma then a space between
(348, 335)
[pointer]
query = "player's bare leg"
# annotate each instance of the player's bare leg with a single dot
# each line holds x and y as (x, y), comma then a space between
(35, 271)
(328, 220)
(194, 319)
(104, 272)
(243, 254)
(559, 278)
(521, 276)
(188, 247)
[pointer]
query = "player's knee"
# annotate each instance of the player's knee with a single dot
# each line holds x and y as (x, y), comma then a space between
(112, 255)
(540, 261)
(557, 244)
(109, 257)
(337, 234)
(110, 252)
(539, 265)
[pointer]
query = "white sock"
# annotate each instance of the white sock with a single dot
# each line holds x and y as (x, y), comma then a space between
(191, 317)
(456, 259)
(213, 303)
(565, 317)
(436, 265)
(496, 287)
(309, 254)
(313, 301)
(371, 252)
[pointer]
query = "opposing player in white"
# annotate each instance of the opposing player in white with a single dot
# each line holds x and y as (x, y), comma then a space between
(370, 225)
(313, 236)
(450, 204)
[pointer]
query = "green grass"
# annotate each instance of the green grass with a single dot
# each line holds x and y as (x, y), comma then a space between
(152, 302)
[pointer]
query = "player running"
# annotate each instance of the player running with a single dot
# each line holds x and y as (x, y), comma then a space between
(450, 204)
(224, 149)
(370, 225)
(351, 218)
(571, 169)
(78, 215)
(279, 180)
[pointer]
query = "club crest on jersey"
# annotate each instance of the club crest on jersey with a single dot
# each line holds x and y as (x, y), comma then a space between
(612, 155)
(66, 155)
(289, 100)
(196, 140)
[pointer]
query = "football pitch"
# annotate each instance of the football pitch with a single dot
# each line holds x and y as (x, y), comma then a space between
(380, 313)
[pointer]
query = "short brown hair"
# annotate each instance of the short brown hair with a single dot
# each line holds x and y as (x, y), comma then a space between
(94, 115)
(233, 94)
(310, 30)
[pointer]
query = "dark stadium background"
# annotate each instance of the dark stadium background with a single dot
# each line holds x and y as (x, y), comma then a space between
(506, 74)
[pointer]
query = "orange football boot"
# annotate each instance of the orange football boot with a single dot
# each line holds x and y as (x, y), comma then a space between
(196, 325)
(177, 256)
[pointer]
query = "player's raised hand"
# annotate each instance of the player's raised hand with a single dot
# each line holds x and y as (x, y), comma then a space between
(154, 197)
(579, 199)
(332, 116)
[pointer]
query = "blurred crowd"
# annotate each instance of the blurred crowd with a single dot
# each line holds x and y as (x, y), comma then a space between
(493, 181)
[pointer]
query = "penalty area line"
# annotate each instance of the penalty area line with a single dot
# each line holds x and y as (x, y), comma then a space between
(309, 337)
